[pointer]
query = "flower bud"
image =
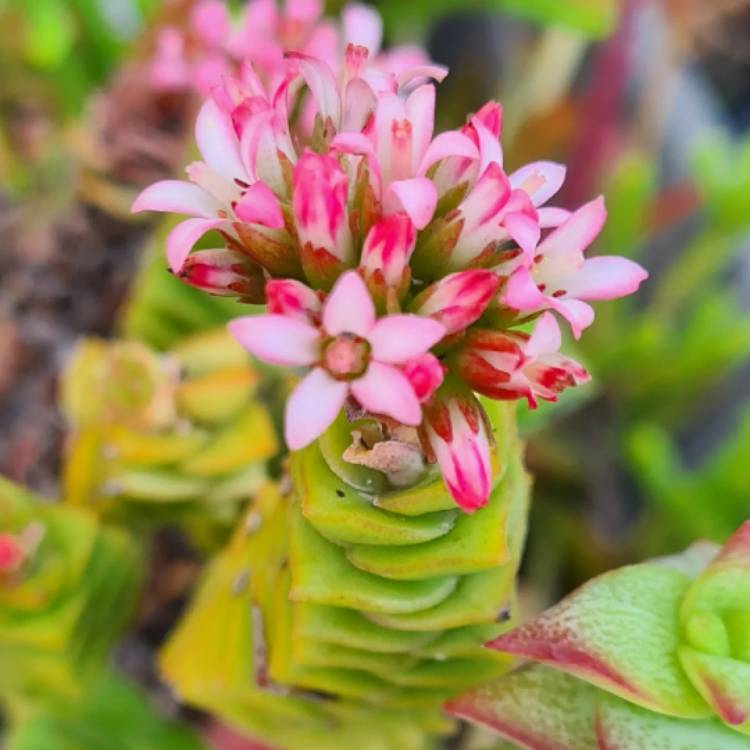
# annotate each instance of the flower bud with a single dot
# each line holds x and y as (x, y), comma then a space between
(458, 300)
(510, 364)
(455, 432)
(225, 273)
(319, 205)
(11, 554)
(425, 373)
(385, 256)
(293, 299)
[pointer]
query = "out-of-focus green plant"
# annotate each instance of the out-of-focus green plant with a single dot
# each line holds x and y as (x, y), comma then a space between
(67, 589)
(175, 437)
(594, 18)
(161, 309)
(704, 501)
(112, 715)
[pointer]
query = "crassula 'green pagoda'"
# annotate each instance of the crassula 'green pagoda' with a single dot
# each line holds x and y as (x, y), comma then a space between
(414, 291)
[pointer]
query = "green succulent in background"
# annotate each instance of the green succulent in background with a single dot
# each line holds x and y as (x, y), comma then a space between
(377, 598)
(708, 500)
(111, 715)
(180, 437)
(66, 595)
(650, 655)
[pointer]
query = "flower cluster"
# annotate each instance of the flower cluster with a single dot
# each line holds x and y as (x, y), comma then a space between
(403, 269)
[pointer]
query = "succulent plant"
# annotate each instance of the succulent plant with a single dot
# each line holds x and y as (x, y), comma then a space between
(347, 587)
(180, 437)
(652, 655)
(67, 588)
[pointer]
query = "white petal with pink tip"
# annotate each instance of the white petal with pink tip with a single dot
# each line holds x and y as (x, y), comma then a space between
(312, 407)
(396, 338)
(383, 389)
(277, 339)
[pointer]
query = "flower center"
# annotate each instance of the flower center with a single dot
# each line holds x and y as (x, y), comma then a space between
(346, 356)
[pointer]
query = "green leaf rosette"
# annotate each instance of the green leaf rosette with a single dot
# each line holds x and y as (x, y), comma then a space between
(178, 437)
(658, 649)
(64, 599)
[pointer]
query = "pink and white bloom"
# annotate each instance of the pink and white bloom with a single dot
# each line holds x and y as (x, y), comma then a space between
(455, 431)
(561, 279)
(350, 352)
(508, 365)
(458, 300)
(400, 149)
(386, 252)
(222, 191)
(293, 299)
(425, 373)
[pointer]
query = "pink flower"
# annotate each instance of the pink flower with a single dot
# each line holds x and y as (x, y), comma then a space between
(319, 204)
(293, 299)
(560, 278)
(350, 352)
(225, 273)
(425, 373)
(221, 190)
(385, 255)
(400, 149)
(455, 431)
(509, 364)
(11, 553)
(458, 300)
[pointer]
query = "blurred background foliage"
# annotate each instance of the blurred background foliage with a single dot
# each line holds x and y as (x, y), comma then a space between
(647, 101)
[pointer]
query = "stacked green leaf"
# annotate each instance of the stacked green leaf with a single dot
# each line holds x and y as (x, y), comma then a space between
(180, 437)
(349, 602)
(63, 605)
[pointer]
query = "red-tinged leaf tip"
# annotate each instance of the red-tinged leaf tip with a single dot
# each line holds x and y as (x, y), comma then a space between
(549, 647)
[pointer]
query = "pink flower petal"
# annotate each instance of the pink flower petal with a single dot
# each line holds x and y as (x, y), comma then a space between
(521, 292)
(353, 143)
(450, 143)
(259, 205)
(546, 337)
(277, 339)
(605, 277)
(420, 110)
(417, 198)
(577, 233)
(322, 83)
(424, 71)
(540, 179)
(577, 313)
(218, 143)
(312, 407)
(349, 308)
(552, 217)
(363, 27)
(176, 196)
(181, 239)
(524, 230)
(396, 338)
(385, 390)
(210, 20)
(490, 149)
(359, 104)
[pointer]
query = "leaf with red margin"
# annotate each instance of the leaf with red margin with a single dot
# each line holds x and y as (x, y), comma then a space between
(536, 707)
(620, 632)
